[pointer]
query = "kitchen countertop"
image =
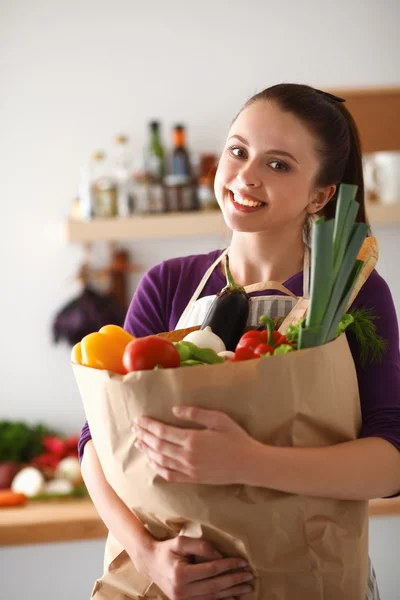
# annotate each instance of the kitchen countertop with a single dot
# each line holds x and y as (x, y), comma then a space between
(72, 520)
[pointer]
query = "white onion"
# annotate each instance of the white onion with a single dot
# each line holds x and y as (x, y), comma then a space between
(28, 481)
(59, 486)
(205, 338)
(69, 468)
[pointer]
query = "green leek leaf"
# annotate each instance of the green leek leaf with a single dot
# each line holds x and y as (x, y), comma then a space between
(321, 268)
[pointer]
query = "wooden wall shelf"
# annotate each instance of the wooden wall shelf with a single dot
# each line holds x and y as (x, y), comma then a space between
(72, 520)
(175, 225)
(169, 225)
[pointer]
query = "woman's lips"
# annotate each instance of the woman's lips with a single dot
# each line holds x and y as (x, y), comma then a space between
(243, 207)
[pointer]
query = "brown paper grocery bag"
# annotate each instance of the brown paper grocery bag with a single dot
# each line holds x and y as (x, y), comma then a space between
(300, 548)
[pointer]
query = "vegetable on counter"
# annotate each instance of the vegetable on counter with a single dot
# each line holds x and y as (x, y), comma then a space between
(8, 498)
(58, 487)
(8, 471)
(69, 468)
(229, 312)
(29, 481)
(20, 442)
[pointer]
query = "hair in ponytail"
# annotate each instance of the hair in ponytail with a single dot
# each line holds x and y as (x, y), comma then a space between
(338, 141)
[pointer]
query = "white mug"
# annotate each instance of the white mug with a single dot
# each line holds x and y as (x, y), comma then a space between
(382, 176)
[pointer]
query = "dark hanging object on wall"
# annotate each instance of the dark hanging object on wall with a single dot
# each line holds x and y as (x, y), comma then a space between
(85, 314)
(91, 310)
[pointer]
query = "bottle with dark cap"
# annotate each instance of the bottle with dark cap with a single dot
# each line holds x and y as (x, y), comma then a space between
(180, 155)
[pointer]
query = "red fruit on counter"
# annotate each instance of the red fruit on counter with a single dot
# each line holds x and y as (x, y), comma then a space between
(46, 460)
(73, 453)
(8, 471)
(55, 445)
(71, 443)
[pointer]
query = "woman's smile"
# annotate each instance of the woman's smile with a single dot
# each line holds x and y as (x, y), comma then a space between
(245, 202)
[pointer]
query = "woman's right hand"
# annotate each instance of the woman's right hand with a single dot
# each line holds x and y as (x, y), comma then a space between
(169, 564)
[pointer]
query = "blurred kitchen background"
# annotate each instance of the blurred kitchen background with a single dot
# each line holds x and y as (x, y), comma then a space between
(111, 111)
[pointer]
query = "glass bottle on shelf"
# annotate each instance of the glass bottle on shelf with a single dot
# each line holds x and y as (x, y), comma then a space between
(181, 187)
(180, 155)
(155, 168)
(141, 187)
(155, 159)
(86, 204)
(205, 190)
(122, 171)
(104, 188)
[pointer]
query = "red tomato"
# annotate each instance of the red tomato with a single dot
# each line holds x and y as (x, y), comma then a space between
(143, 354)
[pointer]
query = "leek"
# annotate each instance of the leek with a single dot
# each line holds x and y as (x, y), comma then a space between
(321, 267)
(334, 269)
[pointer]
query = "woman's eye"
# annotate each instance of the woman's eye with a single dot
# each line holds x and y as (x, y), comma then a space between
(237, 152)
(277, 165)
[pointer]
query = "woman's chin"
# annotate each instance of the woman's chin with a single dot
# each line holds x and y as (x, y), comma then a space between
(243, 221)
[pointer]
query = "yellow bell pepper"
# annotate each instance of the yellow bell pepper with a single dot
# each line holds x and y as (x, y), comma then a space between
(103, 349)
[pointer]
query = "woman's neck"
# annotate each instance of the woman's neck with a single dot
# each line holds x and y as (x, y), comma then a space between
(264, 257)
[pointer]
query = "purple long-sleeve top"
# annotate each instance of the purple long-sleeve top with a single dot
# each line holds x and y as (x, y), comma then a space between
(166, 289)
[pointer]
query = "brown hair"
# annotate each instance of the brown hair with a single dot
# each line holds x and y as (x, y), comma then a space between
(338, 146)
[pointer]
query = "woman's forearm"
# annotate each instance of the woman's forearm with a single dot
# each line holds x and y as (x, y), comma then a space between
(358, 470)
(120, 521)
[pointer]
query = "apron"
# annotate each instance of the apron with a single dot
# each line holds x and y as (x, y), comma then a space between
(271, 305)
(289, 306)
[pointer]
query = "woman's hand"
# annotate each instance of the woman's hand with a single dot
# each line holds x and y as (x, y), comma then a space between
(220, 454)
(170, 565)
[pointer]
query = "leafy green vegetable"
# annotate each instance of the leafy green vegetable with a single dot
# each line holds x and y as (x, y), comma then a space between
(283, 349)
(80, 491)
(372, 345)
(20, 442)
(292, 333)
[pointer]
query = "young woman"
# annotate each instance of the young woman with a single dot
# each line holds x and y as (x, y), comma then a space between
(286, 154)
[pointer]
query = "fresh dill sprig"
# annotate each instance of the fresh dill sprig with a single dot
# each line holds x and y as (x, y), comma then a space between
(372, 345)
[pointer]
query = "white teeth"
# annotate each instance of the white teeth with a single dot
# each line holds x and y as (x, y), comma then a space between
(246, 202)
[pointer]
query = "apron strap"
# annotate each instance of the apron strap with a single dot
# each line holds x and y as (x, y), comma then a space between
(268, 285)
(200, 287)
(275, 285)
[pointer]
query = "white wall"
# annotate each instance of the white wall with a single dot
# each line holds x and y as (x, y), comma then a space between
(72, 74)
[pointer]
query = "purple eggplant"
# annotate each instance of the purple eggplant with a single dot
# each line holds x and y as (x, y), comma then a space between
(228, 314)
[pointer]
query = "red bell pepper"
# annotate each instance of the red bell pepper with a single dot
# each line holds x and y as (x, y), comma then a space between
(255, 343)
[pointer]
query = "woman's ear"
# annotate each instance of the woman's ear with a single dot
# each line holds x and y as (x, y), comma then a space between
(321, 198)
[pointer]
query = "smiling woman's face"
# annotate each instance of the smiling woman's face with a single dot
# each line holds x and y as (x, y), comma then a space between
(266, 174)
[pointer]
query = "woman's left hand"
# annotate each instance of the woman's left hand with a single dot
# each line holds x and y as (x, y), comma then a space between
(220, 454)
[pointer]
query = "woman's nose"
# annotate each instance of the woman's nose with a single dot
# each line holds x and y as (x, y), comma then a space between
(248, 176)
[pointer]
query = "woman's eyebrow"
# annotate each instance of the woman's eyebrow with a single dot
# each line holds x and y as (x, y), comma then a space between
(240, 138)
(272, 151)
(282, 153)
